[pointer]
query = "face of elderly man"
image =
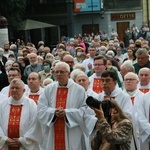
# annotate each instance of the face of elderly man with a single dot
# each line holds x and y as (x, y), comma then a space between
(17, 90)
(130, 81)
(144, 76)
(62, 74)
(142, 59)
(83, 80)
(33, 58)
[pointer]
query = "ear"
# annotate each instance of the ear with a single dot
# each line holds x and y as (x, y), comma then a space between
(69, 74)
(24, 90)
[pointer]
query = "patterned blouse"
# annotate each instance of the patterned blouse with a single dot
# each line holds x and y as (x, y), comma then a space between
(117, 137)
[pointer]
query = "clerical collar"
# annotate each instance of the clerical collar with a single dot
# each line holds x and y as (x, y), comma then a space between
(35, 91)
(131, 93)
(63, 85)
(17, 102)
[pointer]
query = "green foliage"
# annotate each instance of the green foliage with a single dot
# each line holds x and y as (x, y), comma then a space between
(12, 10)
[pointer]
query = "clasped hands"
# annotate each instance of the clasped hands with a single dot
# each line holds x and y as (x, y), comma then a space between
(13, 142)
(60, 112)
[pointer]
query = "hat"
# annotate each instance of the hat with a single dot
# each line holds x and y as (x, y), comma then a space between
(26, 50)
(79, 47)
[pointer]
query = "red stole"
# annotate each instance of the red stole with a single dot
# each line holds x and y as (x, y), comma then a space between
(59, 126)
(97, 85)
(144, 90)
(14, 123)
(34, 97)
(132, 99)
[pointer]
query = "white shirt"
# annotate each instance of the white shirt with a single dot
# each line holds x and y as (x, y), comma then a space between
(86, 62)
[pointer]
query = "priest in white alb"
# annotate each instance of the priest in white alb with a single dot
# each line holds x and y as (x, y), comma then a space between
(19, 126)
(61, 111)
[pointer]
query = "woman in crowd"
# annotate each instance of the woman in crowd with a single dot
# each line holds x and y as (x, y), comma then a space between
(115, 134)
(46, 73)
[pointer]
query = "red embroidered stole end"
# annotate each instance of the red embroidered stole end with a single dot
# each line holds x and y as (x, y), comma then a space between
(14, 123)
(59, 126)
(144, 90)
(34, 97)
(97, 85)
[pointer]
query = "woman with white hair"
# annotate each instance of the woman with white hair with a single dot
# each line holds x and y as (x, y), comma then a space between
(49, 57)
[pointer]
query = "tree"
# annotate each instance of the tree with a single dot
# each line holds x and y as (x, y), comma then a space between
(13, 10)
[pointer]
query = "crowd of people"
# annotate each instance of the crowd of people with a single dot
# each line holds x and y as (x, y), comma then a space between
(44, 93)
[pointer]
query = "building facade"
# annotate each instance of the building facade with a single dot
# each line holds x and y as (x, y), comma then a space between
(84, 16)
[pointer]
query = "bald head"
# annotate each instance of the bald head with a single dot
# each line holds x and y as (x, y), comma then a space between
(69, 60)
(130, 81)
(83, 80)
(144, 76)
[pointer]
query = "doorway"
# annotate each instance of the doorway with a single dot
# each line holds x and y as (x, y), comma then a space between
(121, 28)
(88, 29)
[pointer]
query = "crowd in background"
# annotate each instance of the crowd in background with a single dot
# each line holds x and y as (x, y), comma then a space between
(88, 57)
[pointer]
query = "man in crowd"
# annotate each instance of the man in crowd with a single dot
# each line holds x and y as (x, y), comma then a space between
(89, 63)
(142, 59)
(35, 90)
(12, 73)
(70, 61)
(7, 51)
(99, 68)
(144, 121)
(61, 110)
(83, 80)
(126, 67)
(131, 81)
(34, 65)
(17, 129)
(144, 77)
(109, 81)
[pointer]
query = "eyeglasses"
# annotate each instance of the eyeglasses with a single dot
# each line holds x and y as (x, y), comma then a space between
(98, 64)
(60, 71)
(129, 80)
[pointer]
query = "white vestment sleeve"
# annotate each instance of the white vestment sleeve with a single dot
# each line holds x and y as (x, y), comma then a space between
(45, 112)
(144, 125)
(27, 143)
(2, 141)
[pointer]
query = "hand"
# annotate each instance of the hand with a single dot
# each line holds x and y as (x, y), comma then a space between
(99, 112)
(60, 112)
(17, 141)
(11, 143)
(90, 66)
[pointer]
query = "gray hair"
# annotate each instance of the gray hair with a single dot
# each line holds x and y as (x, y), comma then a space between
(75, 73)
(63, 64)
(142, 51)
(79, 66)
(134, 74)
(18, 81)
(128, 66)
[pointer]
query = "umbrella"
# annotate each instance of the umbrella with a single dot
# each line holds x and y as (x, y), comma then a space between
(32, 24)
